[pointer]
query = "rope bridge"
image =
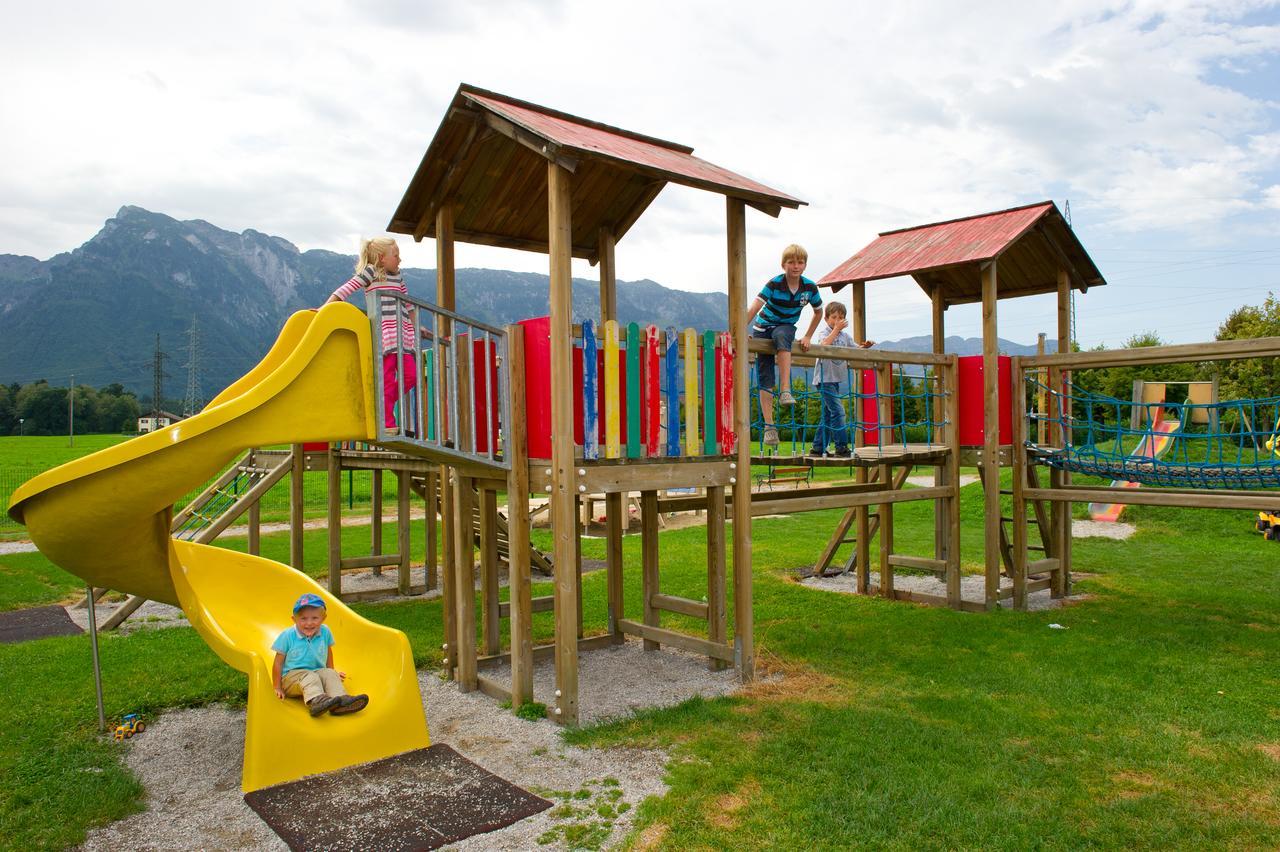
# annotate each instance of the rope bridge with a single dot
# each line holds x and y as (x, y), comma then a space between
(917, 407)
(1222, 445)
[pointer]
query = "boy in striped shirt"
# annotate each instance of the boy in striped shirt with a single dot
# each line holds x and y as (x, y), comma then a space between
(775, 313)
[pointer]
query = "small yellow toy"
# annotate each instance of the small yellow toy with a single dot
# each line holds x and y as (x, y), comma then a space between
(130, 726)
(1268, 524)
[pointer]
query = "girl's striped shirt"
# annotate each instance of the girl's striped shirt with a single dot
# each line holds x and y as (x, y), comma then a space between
(367, 280)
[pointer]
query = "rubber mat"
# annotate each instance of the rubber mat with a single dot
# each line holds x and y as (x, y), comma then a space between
(36, 623)
(421, 799)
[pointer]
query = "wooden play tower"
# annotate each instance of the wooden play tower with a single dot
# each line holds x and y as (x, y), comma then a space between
(508, 173)
(1023, 251)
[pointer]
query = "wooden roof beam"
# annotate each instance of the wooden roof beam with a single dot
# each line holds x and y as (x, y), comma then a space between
(540, 146)
(515, 243)
(637, 210)
(1062, 257)
(773, 210)
(453, 176)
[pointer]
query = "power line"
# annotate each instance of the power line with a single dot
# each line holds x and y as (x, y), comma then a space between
(157, 393)
(194, 400)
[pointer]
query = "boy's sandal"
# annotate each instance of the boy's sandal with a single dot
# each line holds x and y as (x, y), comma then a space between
(349, 704)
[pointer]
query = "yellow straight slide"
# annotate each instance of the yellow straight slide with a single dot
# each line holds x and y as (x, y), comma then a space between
(105, 518)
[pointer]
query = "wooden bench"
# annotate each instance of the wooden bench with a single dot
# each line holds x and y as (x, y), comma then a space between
(799, 474)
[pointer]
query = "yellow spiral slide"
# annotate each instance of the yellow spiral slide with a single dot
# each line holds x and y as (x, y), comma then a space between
(105, 518)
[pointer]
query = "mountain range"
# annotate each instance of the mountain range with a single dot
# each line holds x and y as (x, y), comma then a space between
(96, 311)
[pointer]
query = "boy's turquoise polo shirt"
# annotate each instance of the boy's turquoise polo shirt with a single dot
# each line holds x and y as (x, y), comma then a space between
(301, 652)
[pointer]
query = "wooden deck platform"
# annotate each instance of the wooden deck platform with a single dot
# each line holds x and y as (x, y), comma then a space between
(862, 456)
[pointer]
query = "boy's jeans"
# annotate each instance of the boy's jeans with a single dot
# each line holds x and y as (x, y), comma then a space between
(831, 426)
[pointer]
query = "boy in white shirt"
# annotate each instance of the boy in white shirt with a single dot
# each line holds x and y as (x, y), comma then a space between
(829, 377)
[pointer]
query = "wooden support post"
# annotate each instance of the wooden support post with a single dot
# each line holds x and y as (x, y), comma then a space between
(953, 478)
(615, 507)
(940, 537)
(608, 276)
(862, 518)
(744, 622)
(375, 517)
(579, 527)
(615, 510)
(446, 298)
(431, 481)
(564, 524)
(464, 651)
(717, 612)
(651, 584)
(885, 511)
(402, 530)
(1062, 578)
(518, 523)
(1019, 513)
(991, 435)
(491, 623)
(255, 527)
(334, 485)
(296, 501)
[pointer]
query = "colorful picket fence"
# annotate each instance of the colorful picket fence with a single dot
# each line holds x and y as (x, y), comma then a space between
(640, 392)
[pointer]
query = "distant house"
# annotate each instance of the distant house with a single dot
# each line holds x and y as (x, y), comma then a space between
(151, 423)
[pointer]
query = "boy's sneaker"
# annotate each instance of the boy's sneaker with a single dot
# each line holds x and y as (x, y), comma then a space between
(350, 704)
(815, 451)
(321, 703)
(785, 398)
(770, 436)
(842, 453)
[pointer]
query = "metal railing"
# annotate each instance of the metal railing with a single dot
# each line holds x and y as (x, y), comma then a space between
(458, 406)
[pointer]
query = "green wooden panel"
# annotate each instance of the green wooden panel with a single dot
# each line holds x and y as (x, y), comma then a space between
(633, 391)
(709, 444)
(430, 401)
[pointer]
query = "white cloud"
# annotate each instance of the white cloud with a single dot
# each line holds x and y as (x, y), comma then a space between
(307, 120)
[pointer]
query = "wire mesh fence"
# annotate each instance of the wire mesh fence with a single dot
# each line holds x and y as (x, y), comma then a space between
(357, 492)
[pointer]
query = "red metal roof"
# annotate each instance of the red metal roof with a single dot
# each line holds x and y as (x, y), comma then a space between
(912, 250)
(673, 161)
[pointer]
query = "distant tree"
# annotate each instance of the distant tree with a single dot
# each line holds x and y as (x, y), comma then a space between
(8, 413)
(119, 413)
(1254, 378)
(44, 408)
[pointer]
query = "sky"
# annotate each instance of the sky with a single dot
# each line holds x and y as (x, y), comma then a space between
(1157, 122)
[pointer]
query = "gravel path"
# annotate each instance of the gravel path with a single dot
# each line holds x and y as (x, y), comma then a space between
(972, 588)
(189, 760)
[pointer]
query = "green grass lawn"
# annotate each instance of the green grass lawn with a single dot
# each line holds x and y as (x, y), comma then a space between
(1151, 720)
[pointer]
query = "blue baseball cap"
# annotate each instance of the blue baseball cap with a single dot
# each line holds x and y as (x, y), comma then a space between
(308, 599)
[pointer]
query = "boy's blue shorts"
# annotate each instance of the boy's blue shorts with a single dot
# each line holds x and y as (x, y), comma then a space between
(783, 336)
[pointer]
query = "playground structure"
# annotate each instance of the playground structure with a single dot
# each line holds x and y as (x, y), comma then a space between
(1230, 464)
(1149, 417)
(550, 407)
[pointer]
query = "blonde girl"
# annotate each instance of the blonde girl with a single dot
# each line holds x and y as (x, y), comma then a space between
(378, 272)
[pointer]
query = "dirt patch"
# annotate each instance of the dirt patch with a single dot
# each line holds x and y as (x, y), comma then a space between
(1102, 529)
(722, 812)
(972, 588)
(1271, 750)
(652, 837)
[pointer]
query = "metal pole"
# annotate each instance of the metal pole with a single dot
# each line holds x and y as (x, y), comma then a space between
(97, 666)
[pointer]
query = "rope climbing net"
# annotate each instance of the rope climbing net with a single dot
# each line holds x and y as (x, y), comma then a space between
(1222, 445)
(827, 419)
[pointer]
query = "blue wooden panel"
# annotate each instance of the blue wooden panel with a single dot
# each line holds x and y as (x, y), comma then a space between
(673, 392)
(590, 415)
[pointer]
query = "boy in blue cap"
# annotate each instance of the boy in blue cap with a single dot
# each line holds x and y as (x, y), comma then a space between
(304, 662)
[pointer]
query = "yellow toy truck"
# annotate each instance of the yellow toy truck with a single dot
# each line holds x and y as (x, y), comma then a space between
(130, 726)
